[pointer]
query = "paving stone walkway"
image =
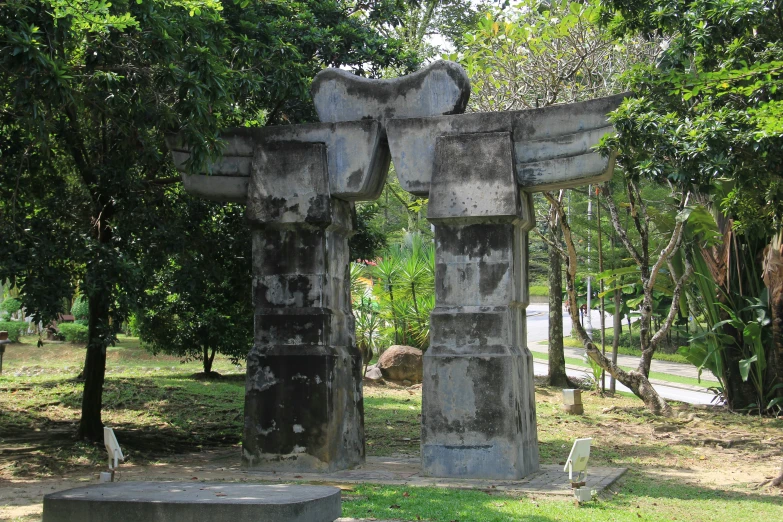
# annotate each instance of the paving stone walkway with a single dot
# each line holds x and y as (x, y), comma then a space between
(550, 480)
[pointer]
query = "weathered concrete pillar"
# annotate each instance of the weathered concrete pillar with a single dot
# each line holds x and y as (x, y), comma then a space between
(478, 409)
(478, 417)
(303, 397)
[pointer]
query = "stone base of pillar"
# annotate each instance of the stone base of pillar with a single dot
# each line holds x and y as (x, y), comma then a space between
(303, 409)
(478, 413)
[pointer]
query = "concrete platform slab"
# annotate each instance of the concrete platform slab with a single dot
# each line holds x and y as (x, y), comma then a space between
(549, 480)
(193, 502)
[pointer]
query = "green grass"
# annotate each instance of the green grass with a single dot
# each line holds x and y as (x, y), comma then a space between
(653, 375)
(392, 421)
(639, 498)
(160, 411)
(539, 290)
(572, 342)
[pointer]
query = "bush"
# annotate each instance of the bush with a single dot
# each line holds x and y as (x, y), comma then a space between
(80, 309)
(74, 333)
(9, 307)
(15, 329)
(133, 325)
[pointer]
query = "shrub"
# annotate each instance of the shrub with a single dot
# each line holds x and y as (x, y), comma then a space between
(80, 309)
(15, 329)
(133, 325)
(74, 333)
(9, 307)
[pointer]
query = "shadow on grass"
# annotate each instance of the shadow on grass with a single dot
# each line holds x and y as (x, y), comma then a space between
(555, 451)
(153, 417)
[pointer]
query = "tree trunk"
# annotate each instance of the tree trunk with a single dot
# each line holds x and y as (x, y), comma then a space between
(635, 381)
(557, 369)
(208, 359)
(90, 425)
(773, 280)
(618, 323)
(739, 394)
(99, 282)
(645, 322)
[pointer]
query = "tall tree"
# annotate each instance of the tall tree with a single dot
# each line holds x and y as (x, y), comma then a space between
(197, 297)
(88, 91)
(537, 54)
(709, 114)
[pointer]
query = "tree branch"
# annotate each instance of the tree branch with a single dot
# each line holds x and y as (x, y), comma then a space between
(618, 227)
(680, 283)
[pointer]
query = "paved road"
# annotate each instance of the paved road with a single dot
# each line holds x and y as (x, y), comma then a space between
(538, 330)
(674, 393)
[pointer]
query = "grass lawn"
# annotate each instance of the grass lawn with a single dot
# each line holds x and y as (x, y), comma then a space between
(572, 342)
(653, 375)
(638, 498)
(538, 290)
(705, 464)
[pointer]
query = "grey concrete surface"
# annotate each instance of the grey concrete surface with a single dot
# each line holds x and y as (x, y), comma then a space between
(358, 159)
(478, 398)
(552, 146)
(441, 88)
(550, 479)
(193, 502)
(303, 404)
(303, 394)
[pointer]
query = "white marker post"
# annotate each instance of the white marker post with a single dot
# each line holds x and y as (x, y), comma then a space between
(115, 454)
(577, 462)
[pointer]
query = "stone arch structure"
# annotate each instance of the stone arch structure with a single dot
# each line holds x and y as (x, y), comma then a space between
(303, 402)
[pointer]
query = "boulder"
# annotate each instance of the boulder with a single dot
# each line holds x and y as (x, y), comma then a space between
(374, 374)
(401, 363)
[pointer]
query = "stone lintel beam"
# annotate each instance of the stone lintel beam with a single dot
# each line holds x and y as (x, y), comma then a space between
(552, 146)
(357, 158)
(441, 88)
(478, 406)
(303, 400)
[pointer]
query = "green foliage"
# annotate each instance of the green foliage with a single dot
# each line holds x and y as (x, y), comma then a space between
(89, 90)
(9, 307)
(133, 325)
(539, 290)
(393, 298)
(15, 329)
(595, 370)
(369, 240)
(735, 317)
(73, 332)
(80, 309)
(198, 290)
(709, 111)
(414, 22)
(538, 53)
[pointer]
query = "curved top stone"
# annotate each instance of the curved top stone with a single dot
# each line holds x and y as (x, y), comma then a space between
(552, 146)
(440, 89)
